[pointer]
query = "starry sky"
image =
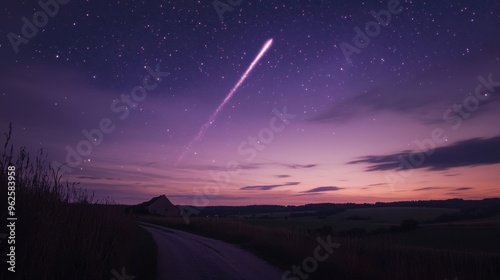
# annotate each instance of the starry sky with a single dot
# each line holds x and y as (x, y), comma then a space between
(355, 101)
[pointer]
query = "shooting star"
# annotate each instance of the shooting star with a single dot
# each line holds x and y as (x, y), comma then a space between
(212, 118)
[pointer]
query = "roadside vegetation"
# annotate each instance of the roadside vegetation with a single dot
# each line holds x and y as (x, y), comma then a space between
(62, 232)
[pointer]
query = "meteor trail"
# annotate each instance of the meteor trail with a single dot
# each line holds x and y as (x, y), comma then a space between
(212, 118)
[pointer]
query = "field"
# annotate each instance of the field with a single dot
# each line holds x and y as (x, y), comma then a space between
(472, 236)
(388, 215)
(438, 251)
(392, 215)
(363, 218)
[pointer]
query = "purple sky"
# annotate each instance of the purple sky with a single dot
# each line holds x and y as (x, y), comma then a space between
(413, 115)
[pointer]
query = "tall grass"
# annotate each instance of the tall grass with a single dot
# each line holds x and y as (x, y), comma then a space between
(62, 232)
(358, 257)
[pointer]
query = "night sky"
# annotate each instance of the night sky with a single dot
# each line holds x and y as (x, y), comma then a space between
(117, 90)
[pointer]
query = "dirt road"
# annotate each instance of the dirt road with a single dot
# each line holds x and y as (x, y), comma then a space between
(185, 256)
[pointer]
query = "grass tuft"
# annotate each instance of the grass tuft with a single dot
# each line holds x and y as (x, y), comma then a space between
(62, 232)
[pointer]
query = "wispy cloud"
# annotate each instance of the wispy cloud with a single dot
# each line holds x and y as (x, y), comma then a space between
(472, 152)
(268, 187)
(300, 166)
(428, 189)
(423, 96)
(462, 189)
(98, 178)
(219, 168)
(323, 189)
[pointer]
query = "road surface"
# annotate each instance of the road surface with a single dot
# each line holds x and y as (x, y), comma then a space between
(185, 256)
